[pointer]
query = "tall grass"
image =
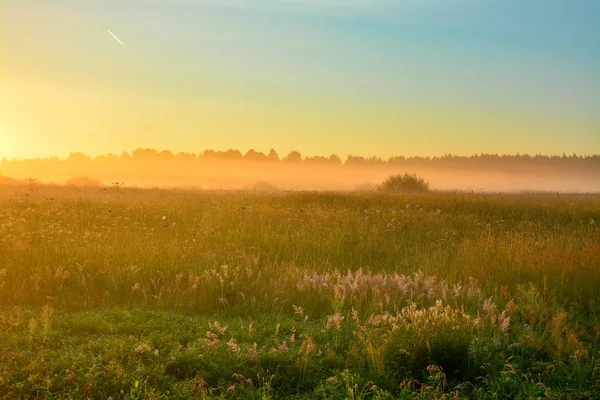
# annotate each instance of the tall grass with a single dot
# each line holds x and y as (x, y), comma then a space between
(318, 290)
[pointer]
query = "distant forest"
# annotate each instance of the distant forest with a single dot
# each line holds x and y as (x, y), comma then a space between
(516, 163)
(233, 169)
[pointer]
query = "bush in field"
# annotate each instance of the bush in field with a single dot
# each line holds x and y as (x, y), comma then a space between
(404, 183)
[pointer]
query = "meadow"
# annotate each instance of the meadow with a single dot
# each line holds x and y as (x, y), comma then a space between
(153, 294)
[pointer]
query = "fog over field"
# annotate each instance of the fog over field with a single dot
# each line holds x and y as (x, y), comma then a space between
(256, 171)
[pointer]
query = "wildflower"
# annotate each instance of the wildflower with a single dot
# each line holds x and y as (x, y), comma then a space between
(253, 352)
(298, 310)
(143, 347)
(332, 380)
(491, 309)
(503, 322)
(335, 320)
(457, 290)
(307, 348)
(216, 326)
(233, 346)
(210, 335)
(355, 316)
(510, 307)
(211, 339)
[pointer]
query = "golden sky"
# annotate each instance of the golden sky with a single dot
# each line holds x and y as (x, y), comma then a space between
(356, 77)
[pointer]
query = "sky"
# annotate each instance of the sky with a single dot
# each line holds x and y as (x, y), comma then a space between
(360, 77)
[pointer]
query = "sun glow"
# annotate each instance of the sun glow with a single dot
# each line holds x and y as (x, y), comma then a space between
(10, 144)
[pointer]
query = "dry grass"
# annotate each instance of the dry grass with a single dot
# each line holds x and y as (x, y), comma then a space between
(379, 286)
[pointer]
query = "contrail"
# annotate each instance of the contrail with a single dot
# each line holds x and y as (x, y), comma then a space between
(115, 36)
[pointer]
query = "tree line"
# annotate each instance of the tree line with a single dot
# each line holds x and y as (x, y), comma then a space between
(148, 155)
(296, 156)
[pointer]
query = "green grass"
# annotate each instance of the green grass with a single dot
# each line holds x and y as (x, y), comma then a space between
(115, 293)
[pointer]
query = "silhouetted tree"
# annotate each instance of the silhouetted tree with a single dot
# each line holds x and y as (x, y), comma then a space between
(316, 160)
(294, 157)
(181, 156)
(355, 160)
(166, 155)
(209, 153)
(254, 155)
(144, 153)
(273, 156)
(397, 160)
(77, 157)
(106, 158)
(335, 159)
(230, 154)
(374, 161)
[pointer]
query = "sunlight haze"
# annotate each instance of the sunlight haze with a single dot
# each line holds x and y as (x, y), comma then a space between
(383, 78)
(299, 199)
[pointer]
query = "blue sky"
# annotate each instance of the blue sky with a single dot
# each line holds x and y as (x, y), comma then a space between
(377, 77)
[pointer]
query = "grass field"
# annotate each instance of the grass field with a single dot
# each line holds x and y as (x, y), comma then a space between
(152, 294)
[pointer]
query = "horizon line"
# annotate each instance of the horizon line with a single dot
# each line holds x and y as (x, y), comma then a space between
(281, 156)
